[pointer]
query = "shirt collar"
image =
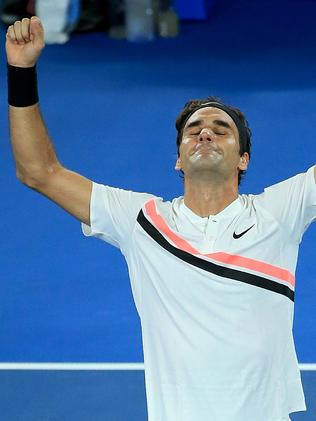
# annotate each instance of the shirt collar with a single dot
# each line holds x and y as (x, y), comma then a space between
(229, 212)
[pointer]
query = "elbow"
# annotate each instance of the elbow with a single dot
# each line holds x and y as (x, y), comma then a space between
(36, 178)
(28, 179)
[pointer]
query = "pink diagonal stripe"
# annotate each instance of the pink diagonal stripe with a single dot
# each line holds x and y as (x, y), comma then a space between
(226, 258)
(161, 225)
(257, 265)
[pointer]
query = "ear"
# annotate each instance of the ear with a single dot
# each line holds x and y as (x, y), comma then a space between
(244, 161)
(178, 166)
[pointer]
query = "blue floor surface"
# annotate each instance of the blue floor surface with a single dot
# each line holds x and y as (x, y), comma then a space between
(91, 396)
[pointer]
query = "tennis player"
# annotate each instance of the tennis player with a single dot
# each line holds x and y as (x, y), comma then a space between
(212, 272)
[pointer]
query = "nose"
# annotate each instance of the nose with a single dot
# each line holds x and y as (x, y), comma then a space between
(205, 135)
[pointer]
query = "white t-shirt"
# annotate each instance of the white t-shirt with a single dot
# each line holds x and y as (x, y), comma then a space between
(215, 296)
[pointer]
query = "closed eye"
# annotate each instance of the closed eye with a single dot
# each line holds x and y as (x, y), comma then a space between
(215, 132)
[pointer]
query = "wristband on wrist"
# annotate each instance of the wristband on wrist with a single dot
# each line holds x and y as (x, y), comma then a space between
(22, 86)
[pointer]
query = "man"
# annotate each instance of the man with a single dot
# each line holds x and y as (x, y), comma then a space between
(211, 272)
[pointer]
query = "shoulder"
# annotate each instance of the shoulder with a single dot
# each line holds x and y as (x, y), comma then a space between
(296, 182)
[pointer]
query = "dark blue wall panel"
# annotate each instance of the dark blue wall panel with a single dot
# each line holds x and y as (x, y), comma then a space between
(197, 9)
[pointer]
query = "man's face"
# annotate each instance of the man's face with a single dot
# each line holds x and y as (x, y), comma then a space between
(210, 145)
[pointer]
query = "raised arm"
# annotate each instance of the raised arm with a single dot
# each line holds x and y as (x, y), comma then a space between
(37, 165)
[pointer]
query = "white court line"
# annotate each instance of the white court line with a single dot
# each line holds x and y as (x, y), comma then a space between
(73, 366)
(96, 366)
(307, 367)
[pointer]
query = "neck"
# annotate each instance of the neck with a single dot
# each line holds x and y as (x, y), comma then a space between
(207, 198)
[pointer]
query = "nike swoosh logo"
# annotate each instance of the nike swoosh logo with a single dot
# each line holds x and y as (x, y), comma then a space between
(236, 236)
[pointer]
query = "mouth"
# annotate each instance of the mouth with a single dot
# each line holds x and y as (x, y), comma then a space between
(205, 148)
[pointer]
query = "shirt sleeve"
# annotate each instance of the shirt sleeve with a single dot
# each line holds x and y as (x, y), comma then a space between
(113, 214)
(293, 203)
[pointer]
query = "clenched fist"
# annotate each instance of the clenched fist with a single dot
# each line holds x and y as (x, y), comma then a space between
(24, 42)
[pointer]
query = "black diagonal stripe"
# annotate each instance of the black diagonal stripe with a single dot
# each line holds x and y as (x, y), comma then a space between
(218, 270)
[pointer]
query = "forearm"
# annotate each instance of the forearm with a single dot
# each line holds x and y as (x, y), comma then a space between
(33, 151)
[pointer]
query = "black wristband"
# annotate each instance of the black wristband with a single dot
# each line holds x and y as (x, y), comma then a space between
(22, 86)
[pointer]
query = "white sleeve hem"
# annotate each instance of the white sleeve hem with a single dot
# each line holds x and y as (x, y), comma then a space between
(86, 230)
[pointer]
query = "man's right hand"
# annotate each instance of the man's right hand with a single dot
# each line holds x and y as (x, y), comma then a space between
(24, 42)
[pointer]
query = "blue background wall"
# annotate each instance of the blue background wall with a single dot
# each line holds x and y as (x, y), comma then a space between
(110, 109)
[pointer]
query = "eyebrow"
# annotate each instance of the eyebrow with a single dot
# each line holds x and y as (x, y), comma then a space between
(221, 123)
